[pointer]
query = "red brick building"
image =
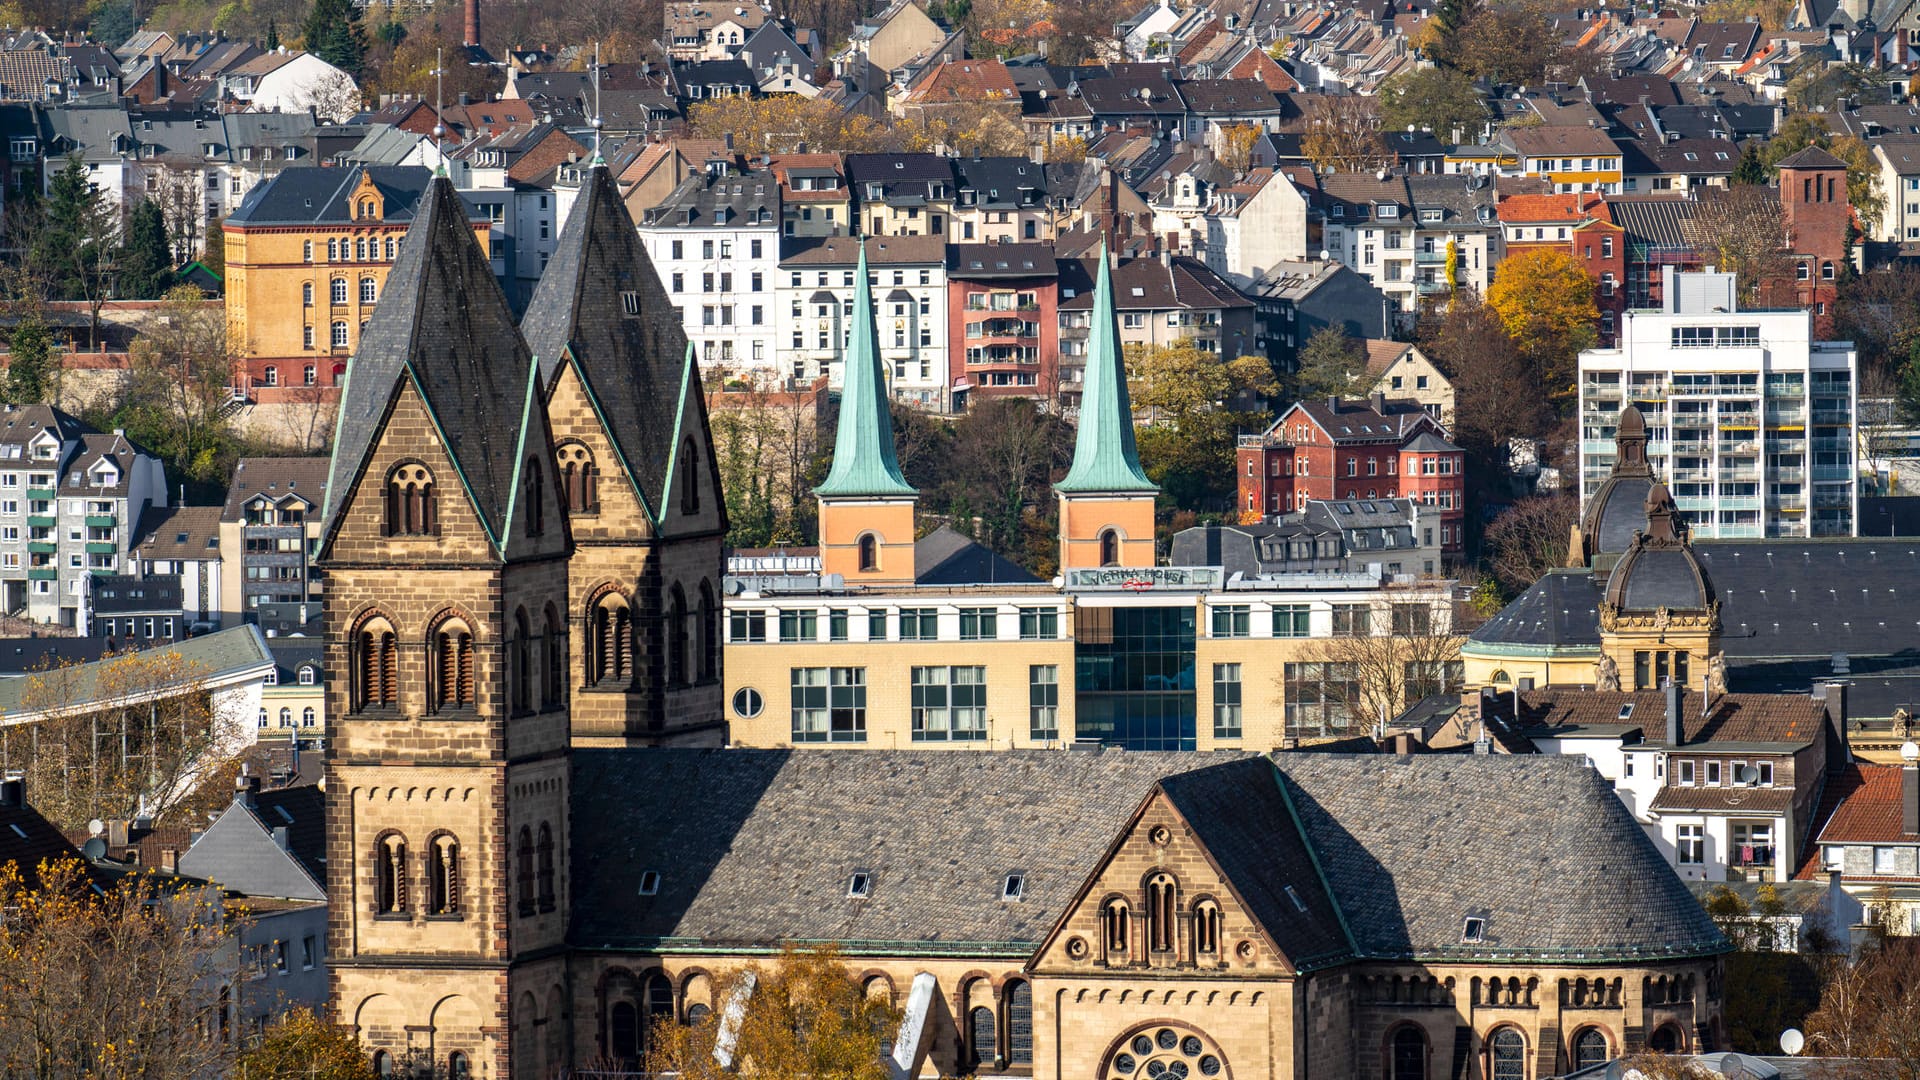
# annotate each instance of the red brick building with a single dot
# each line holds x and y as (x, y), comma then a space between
(1813, 200)
(1354, 449)
(1581, 225)
(1003, 321)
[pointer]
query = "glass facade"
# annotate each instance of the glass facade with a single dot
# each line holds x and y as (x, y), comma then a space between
(1134, 676)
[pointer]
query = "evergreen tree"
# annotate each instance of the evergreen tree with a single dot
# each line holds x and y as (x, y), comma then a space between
(30, 362)
(1449, 16)
(77, 243)
(334, 34)
(213, 255)
(111, 22)
(273, 35)
(1751, 169)
(146, 261)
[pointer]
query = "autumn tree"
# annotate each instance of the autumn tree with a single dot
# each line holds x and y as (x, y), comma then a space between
(803, 1015)
(127, 736)
(1497, 393)
(305, 1046)
(1529, 539)
(1236, 146)
(1442, 100)
(1393, 652)
(111, 981)
(180, 376)
(1504, 42)
(782, 122)
(1342, 132)
(768, 444)
(1772, 15)
(1879, 311)
(1330, 364)
(1544, 299)
(1183, 392)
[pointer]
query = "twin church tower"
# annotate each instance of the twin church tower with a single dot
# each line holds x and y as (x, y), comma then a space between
(523, 548)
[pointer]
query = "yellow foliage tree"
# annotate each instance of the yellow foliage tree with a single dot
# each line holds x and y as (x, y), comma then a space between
(1544, 300)
(305, 1046)
(1236, 146)
(781, 123)
(803, 1016)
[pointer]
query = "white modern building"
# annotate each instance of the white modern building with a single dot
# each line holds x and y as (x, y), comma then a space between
(1749, 420)
(909, 279)
(715, 243)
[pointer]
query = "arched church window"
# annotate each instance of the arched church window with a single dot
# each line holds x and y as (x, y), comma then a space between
(443, 876)
(410, 502)
(375, 666)
(390, 875)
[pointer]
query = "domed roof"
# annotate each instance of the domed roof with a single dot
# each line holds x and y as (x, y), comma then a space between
(1617, 509)
(1659, 569)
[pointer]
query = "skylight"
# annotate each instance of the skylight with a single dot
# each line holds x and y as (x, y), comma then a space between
(1014, 888)
(649, 882)
(859, 885)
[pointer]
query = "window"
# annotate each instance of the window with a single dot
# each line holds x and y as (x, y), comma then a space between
(443, 876)
(390, 875)
(1109, 548)
(1713, 774)
(1886, 860)
(1413, 619)
(1690, 845)
(410, 500)
(949, 703)
(1226, 701)
(376, 665)
(1352, 620)
(1039, 624)
(980, 1037)
(1043, 701)
(978, 624)
(1766, 773)
(1290, 620)
(1589, 1049)
(1318, 697)
(919, 624)
(610, 639)
(523, 869)
(876, 626)
(829, 704)
(306, 337)
(337, 291)
(543, 854)
(1409, 1054)
(1685, 773)
(1115, 924)
(1507, 1055)
(368, 290)
(1232, 620)
(799, 626)
(338, 334)
(579, 478)
(453, 663)
(869, 553)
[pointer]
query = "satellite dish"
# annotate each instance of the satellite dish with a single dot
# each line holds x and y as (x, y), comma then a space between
(1792, 1042)
(94, 848)
(96, 827)
(1749, 775)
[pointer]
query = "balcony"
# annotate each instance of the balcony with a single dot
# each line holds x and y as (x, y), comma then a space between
(1788, 504)
(1833, 472)
(42, 547)
(1833, 444)
(1787, 473)
(42, 573)
(41, 494)
(1827, 500)
(39, 522)
(96, 547)
(102, 521)
(1832, 416)
(1743, 448)
(1429, 258)
(1698, 475)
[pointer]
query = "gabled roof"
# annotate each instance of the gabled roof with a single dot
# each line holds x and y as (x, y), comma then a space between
(1789, 721)
(276, 478)
(179, 534)
(631, 366)
(1811, 157)
(241, 850)
(443, 326)
(325, 196)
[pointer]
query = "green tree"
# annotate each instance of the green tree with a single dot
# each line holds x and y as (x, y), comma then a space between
(146, 258)
(111, 22)
(1441, 99)
(1752, 170)
(273, 36)
(213, 255)
(30, 364)
(334, 33)
(76, 243)
(303, 1046)
(1330, 365)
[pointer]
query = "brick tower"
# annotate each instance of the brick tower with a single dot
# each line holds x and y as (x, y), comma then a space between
(1813, 200)
(637, 475)
(445, 547)
(1106, 500)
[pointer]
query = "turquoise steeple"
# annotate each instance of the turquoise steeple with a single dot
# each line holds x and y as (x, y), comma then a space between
(863, 459)
(1104, 456)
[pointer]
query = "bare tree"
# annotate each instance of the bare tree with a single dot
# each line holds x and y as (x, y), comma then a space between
(767, 441)
(128, 736)
(178, 194)
(307, 412)
(333, 97)
(1740, 229)
(1530, 539)
(1869, 1013)
(180, 380)
(1386, 654)
(1342, 132)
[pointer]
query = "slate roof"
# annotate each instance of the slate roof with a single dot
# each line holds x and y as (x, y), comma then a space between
(1785, 720)
(972, 262)
(324, 196)
(1811, 157)
(944, 557)
(1148, 284)
(1656, 221)
(1406, 852)
(241, 853)
(443, 324)
(27, 839)
(179, 533)
(755, 847)
(276, 478)
(632, 366)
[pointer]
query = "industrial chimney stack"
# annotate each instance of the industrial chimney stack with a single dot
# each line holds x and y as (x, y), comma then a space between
(472, 35)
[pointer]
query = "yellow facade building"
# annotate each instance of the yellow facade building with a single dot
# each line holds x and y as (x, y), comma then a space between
(307, 259)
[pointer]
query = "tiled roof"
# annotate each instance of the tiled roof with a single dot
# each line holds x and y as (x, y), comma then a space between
(966, 81)
(276, 478)
(1790, 720)
(1811, 157)
(1405, 889)
(1356, 419)
(1531, 208)
(179, 533)
(1559, 140)
(1862, 806)
(1734, 800)
(844, 251)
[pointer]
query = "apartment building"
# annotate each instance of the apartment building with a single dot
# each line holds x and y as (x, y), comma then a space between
(903, 194)
(1369, 225)
(269, 529)
(815, 299)
(1748, 418)
(183, 543)
(716, 245)
(1004, 333)
(70, 500)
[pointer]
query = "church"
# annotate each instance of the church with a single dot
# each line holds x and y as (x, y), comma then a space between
(538, 849)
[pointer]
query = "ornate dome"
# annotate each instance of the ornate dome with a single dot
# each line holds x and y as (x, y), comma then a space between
(1658, 570)
(1618, 509)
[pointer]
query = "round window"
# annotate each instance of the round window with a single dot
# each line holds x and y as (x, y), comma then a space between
(747, 702)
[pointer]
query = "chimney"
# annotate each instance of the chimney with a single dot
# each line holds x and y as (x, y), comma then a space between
(118, 833)
(1672, 690)
(472, 30)
(1909, 794)
(280, 837)
(1380, 402)
(1833, 881)
(13, 792)
(246, 790)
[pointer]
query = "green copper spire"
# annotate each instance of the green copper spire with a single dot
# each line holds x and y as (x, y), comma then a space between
(1104, 457)
(863, 461)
